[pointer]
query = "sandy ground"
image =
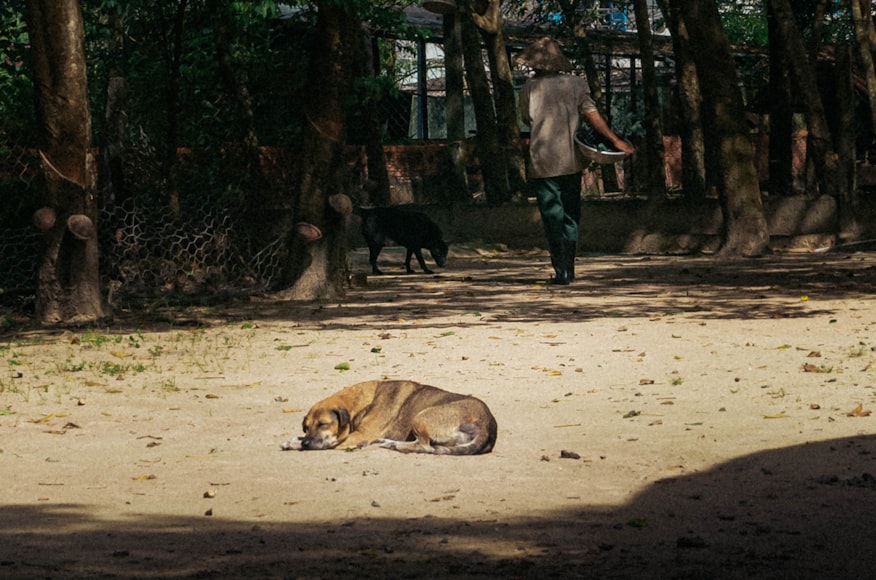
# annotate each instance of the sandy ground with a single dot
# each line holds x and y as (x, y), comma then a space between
(662, 417)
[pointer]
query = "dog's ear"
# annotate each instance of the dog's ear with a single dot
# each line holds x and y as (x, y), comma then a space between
(343, 416)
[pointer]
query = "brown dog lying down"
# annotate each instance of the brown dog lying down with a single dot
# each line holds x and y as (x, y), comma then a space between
(401, 415)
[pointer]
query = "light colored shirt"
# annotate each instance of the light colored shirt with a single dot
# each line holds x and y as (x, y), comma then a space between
(552, 106)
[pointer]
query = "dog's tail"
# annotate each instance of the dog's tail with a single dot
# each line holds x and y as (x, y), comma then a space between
(473, 439)
(470, 439)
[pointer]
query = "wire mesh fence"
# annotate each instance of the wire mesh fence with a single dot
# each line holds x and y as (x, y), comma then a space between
(147, 253)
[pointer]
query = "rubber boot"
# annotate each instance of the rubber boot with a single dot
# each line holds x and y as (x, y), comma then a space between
(560, 262)
(570, 254)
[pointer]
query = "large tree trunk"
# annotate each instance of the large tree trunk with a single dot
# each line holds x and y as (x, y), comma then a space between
(745, 228)
(654, 150)
(315, 267)
(494, 167)
(69, 281)
(490, 22)
(693, 156)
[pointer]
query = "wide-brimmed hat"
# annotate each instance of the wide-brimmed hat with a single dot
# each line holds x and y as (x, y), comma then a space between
(544, 55)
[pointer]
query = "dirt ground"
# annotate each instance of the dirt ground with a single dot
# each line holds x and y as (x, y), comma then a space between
(662, 417)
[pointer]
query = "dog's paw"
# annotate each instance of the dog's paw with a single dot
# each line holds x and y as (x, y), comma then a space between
(293, 444)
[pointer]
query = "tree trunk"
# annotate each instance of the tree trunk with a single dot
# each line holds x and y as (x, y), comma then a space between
(861, 13)
(454, 106)
(494, 167)
(315, 265)
(171, 39)
(490, 22)
(781, 152)
(237, 89)
(820, 148)
(378, 175)
(113, 142)
(69, 282)
(850, 226)
(745, 229)
(693, 156)
(654, 150)
(577, 22)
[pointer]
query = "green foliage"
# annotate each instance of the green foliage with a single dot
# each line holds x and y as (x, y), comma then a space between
(16, 89)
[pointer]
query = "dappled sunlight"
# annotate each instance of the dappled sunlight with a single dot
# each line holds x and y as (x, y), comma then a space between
(504, 286)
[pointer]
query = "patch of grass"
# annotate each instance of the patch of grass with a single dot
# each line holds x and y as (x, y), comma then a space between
(97, 339)
(112, 369)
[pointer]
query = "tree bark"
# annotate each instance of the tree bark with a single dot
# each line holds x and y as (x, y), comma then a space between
(454, 106)
(861, 14)
(820, 148)
(315, 268)
(237, 89)
(112, 184)
(850, 226)
(654, 149)
(69, 282)
(693, 156)
(745, 229)
(489, 21)
(781, 152)
(494, 167)
(378, 175)
(170, 30)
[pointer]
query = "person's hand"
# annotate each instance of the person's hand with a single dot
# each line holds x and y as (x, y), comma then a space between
(625, 146)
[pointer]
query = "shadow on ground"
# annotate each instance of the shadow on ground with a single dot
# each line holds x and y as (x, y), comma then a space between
(505, 286)
(799, 512)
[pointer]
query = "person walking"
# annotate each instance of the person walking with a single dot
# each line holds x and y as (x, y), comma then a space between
(553, 105)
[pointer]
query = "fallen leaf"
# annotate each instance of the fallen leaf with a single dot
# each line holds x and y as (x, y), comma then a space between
(144, 477)
(776, 416)
(49, 417)
(858, 411)
(344, 366)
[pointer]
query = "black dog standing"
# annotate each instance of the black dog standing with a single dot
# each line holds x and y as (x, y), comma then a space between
(411, 229)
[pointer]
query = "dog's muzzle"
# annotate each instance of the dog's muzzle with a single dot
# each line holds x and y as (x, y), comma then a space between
(307, 443)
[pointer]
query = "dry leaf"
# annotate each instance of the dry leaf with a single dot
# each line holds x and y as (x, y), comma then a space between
(858, 412)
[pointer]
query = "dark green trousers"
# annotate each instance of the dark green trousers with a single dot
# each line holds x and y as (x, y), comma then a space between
(559, 201)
